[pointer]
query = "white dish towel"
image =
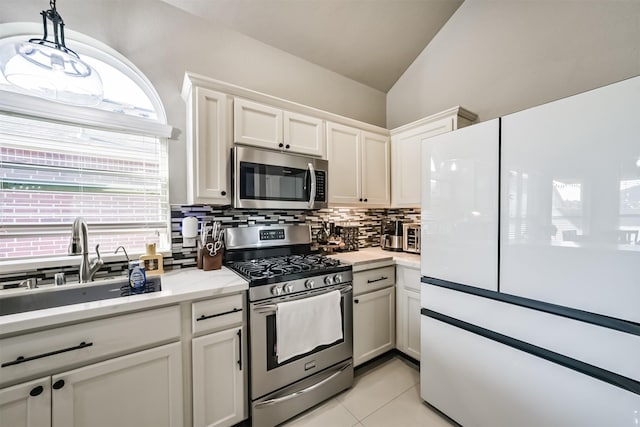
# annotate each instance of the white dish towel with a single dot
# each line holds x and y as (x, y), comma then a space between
(304, 324)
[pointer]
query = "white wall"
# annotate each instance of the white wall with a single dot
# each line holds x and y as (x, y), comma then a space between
(164, 42)
(496, 57)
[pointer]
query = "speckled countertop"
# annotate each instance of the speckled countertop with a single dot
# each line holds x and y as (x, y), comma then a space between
(177, 286)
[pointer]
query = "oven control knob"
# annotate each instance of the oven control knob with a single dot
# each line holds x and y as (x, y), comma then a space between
(337, 278)
(328, 280)
(288, 288)
(276, 290)
(309, 284)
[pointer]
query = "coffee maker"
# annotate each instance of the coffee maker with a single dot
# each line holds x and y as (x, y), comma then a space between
(391, 235)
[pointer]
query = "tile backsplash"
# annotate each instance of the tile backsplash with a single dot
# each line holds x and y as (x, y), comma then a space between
(368, 221)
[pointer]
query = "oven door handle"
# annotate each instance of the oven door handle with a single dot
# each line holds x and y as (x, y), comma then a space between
(304, 390)
(271, 308)
(312, 193)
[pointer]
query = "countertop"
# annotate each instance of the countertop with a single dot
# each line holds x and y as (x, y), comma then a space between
(368, 258)
(177, 286)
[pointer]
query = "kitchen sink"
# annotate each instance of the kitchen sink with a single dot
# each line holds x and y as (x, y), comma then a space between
(18, 301)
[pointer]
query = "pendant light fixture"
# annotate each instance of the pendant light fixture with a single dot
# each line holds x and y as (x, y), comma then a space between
(48, 68)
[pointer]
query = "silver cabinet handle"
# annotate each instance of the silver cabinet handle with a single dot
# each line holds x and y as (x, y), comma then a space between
(312, 195)
(303, 391)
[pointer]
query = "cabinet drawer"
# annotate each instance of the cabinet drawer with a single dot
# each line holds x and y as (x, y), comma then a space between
(216, 313)
(370, 280)
(51, 350)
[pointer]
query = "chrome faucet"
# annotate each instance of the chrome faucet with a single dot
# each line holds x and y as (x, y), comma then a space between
(78, 246)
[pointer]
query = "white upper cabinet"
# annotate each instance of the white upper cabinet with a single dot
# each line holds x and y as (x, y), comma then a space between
(405, 152)
(358, 167)
(304, 134)
(257, 124)
(460, 206)
(208, 147)
(570, 202)
(343, 150)
(264, 126)
(375, 170)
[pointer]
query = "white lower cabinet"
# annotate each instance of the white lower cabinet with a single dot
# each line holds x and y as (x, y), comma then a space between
(218, 354)
(218, 379)
(139, 389)
(373, 324)
(27, 404)
(408, 311)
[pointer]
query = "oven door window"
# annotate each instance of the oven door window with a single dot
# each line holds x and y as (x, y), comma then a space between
(268, 182)
(272, 342)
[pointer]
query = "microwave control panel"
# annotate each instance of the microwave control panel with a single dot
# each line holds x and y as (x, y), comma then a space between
(321, 185)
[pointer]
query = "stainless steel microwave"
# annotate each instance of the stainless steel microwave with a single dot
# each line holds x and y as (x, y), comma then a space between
(264, 179)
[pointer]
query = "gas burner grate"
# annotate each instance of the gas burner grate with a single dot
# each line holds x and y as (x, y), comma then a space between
(283, 265)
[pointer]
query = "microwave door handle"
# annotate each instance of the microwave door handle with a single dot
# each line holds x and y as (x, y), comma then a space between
(312, 193)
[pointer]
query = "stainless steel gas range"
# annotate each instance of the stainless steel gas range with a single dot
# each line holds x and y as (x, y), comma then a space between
(278, 263)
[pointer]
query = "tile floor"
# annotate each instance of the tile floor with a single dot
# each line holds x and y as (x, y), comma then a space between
(386, 393)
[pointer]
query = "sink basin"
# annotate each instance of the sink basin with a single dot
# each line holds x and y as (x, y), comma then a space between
(57, 296)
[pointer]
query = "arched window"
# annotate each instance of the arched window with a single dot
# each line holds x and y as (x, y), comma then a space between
(107, 164)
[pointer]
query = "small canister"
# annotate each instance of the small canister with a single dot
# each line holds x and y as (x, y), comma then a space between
(59, 279)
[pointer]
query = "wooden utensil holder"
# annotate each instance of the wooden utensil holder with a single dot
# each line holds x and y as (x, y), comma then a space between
(199, 255)
(211, 262)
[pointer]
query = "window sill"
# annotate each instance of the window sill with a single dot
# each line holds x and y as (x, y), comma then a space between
(31, 265)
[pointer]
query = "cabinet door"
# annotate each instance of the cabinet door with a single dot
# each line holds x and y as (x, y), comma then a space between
(406, 162)
(140, 389)
(256, 124)
(304, 134)
(27, 404)
(373, 324)
(218, 379)
(208, 148)
(343, 149)
(376, 179)
(408, 311)
(460, 206)
(411, 320)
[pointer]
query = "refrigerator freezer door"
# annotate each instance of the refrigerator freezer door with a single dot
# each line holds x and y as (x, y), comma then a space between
(460, 206)
(479, 382)
(570, 202)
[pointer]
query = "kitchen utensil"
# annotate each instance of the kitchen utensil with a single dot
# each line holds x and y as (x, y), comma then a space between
(215, 228)
(214, 247)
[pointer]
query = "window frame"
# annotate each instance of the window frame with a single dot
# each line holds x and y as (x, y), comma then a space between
(15, 103)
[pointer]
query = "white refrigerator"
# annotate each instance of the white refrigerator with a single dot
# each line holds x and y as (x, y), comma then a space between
(531, 265)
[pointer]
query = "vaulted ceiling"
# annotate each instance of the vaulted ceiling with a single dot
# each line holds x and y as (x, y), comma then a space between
(370, 41)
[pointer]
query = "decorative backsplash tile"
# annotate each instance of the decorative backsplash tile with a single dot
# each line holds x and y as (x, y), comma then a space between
(368, 221)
